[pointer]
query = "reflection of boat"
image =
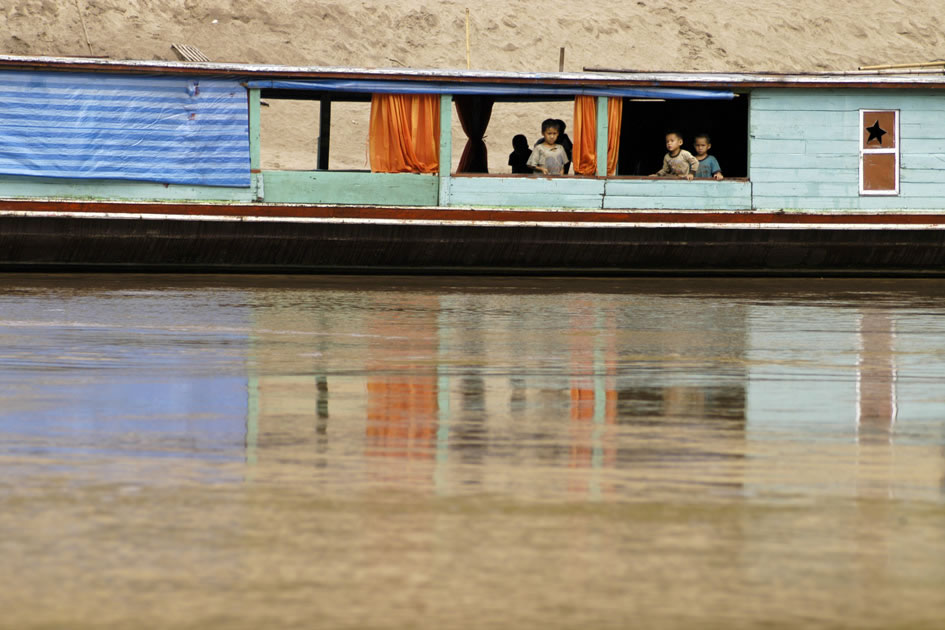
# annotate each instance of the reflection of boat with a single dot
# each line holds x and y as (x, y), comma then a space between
(153, 165)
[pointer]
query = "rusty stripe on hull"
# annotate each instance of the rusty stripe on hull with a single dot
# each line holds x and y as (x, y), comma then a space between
(34, 242)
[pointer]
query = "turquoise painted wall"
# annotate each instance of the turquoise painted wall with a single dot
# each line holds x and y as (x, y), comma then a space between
(527, 192)
(805, 149)
(14, 186)
(663, 194)
(388, 189)
(619, 193)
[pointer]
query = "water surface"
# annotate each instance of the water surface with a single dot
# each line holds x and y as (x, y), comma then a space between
(392, 452)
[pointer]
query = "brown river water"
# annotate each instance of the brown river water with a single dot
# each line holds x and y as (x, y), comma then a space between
(396, 452)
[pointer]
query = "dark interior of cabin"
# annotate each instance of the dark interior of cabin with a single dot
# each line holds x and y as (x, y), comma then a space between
(646, 122)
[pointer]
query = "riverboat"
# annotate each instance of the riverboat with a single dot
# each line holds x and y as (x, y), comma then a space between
(155, 166)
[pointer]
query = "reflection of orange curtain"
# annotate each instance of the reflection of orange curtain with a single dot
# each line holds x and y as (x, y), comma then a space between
(401, 416)
(585, 134)
(405, 133)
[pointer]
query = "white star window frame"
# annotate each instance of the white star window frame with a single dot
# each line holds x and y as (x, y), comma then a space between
(867, 116)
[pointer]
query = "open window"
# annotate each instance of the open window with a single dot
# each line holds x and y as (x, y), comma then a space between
(648, 113)
(646, 122)
(511, 115)
(309, 130)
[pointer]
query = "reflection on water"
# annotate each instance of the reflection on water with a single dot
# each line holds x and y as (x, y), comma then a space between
(412, 452)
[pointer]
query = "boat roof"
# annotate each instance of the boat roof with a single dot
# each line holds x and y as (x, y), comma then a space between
(895, 78)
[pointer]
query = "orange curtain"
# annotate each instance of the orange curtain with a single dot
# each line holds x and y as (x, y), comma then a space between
(404, 133)
(584, 153)
(585, 134)
(614, 116)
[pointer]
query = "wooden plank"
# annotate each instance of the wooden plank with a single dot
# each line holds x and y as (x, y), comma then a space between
(340, 187)
(805, 130)
(921, 176)
(601, 144)
(922, 146)
(774, 175)
(658, 187)
(537, 184)
(761, 202)
(446, 149)
(801, 161)
(924, 189)
(187, 52)
(775, 117)
(519, 200)
(760, 146)
(835, 147)
(15, 186)
(904, 203)
(805, 189)
(849, 100)
(853, 204)
(254, 130)
(624, 202)
(678, 194)
(811, 125)
(930, 168)
(933, 161)
(535, 192)
(924, 126)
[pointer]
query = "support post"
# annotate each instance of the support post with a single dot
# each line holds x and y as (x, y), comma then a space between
(602, 123)
(254, 151)
(255, 159)
(324, 133)
(446, 148)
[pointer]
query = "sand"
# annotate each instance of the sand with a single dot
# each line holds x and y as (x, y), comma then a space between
(686, 35)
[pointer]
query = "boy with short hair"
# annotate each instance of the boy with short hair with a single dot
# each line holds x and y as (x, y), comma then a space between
(708, 165)
(549, 157)
(677, 161)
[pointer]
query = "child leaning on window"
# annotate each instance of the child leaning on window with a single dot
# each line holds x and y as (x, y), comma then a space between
(548, 157)
(677, 161)
(708, 165)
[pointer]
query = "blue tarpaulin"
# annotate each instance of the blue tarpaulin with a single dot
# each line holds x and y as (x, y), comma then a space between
(430, 87)
(100, 126)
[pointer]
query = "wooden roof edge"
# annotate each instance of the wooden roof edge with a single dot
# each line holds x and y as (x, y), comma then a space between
(590, 76)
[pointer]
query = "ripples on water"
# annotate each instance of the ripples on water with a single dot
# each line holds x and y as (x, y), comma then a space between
(390, 452)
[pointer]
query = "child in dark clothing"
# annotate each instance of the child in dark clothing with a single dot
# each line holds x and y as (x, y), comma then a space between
(520, 155)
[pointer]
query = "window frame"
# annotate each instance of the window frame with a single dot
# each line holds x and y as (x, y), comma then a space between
(864, 151)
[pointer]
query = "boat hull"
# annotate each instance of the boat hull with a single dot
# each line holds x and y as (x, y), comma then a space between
(323, 239)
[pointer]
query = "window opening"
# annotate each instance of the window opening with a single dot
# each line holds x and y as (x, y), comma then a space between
(645, 123)
(510, 118)
(295, 131)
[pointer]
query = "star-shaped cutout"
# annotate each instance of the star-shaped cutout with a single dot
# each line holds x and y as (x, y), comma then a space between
(876, 133)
